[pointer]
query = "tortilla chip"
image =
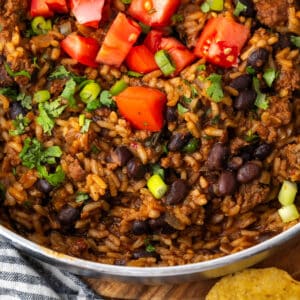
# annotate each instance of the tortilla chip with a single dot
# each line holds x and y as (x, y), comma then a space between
(256, 284)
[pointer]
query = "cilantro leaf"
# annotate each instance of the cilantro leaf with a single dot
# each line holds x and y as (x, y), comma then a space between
(69, 91)
(295, 40)
(269, 76)
(81, 197)
(11, 73)
(61, 72)
(20, 124)
(215, 91)
(181, 109)
(150, 248)
(106, 99)
(156, 169)
(261, 100)
(9, 92)
(201, 68)
(93, 105)
(177, 18)
(250, 70)
(54, 108)
(26, 100)
(250, 136)
(34, 155)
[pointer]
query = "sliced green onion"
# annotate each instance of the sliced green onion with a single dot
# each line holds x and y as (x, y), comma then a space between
(181, 109)
(288, 213)
(205, 7)
(40, 26)
(287, 193)
(81, 120)
(118, 87)
(216, 5)
(134, 74)
(90, 92)
(41, 96)
(156, 186)
(295, 40)
(240, 7)
(164, 63)
(269, 76)
(191, 146)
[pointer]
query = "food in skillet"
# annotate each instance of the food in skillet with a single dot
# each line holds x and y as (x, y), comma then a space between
(147, 132)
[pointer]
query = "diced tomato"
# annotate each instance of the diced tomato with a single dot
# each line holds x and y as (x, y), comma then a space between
(221, 41)
(118, 41)
(153, 40)
(153, 12)
(40, 8)
(59, 6)
(180, 55)
(142, 107)
(141, 59)
(87, 12)
(83, 49)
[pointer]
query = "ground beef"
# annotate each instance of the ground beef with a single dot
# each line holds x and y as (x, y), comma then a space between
(251, 194)
(5, 79)
(288, 80)
(277, 115)
(74, 169)
(272, 12)
(291, 154)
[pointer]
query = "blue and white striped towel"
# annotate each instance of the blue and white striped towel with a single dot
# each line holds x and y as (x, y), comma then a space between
(22, 277)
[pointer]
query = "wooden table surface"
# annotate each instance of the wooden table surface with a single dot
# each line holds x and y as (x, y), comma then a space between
(288, 260)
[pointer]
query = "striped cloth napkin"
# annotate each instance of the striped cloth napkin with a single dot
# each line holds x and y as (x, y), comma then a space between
(22, 277)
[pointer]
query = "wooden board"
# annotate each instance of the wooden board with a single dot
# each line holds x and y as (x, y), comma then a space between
(287, 260)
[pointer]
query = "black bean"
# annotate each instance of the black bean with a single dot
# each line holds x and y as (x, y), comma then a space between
(139, 253)
(136, 169)
(235, 163)
(123, 155)
(177, 192)
(258, 58)
(262, 151)
(242, 82)
(245, 100)
(159, 225)
(248, 172)
(283, 42)
(171, 114)
(44, 186)
(250, 11)
(217, 156)
(178, 141)
(68, 215)
(16, 109)
(140, 227)
(226, 183)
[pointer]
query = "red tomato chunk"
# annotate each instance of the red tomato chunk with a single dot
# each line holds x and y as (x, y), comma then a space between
(221, 41)
(142, 107)
(118, 41)
(83, 49)
(40, 8)
(59, 6)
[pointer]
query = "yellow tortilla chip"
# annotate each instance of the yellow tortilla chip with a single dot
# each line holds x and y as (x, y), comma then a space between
(256, 284)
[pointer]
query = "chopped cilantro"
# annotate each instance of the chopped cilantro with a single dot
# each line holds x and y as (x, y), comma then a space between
(191, 146)
(9, 92)
(81, 197)
(240, 7)
(201, 67)
(34, 62)
(261, 100)
(269, 76)
(26, 100)
(20, 124)
(61, 72)
(215, 91)
(34, 155)
(295, 40)
(150, 248)
(156, 169)
(11, 73)
(250, 70)
(250, 136)
(93, 105)
(106, 99)
(95, 149)
(215, 120)
(165, 149)
(48, 111)
(194, 92)
(181, 109)
(186, 99)
(177, 18)
(69, 91)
